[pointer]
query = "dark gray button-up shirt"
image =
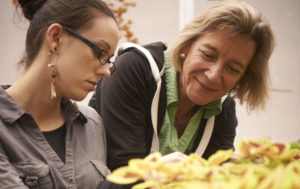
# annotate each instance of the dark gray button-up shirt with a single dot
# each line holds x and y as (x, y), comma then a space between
(28, 161)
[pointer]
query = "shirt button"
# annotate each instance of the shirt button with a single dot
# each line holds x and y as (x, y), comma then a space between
(70, 180)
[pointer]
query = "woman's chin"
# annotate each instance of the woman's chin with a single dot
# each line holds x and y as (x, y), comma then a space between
(79, 97)
(195, 98)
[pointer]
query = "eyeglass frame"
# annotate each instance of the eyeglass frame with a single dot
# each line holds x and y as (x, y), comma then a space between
(99, 51)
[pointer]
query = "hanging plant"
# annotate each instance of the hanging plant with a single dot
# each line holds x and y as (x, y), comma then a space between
(119, 8)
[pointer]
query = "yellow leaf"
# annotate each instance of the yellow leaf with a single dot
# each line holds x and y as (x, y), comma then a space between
(123, 175)
(220, 157)
(147, 184)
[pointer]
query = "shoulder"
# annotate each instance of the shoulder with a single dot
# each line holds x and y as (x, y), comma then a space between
(228, 114)
(228, 103)
(93, 118)
(157, 50)
(135, 56)
(133, 68)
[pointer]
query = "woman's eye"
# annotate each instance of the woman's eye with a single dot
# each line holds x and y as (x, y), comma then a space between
(234, 70)
(207, 55)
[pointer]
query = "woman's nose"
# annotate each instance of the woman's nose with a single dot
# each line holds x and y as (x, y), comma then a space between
(214, 73)
(103, 70)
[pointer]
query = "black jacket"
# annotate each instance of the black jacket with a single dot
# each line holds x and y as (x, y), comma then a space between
(124, 100)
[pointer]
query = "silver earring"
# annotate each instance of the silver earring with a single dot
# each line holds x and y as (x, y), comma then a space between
(49, 52)
(182, 55)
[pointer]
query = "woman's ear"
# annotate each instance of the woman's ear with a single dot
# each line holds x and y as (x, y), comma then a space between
(186, 49)
(53, 35)
(183, 54)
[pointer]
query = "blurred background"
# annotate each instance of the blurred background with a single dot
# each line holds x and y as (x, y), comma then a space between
(156, 20)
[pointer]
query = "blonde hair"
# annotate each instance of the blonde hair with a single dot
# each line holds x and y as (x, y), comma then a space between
(241, 19)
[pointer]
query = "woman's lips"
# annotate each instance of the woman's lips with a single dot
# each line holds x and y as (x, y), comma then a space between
(93, 82)
(205, 87)
(92, 85)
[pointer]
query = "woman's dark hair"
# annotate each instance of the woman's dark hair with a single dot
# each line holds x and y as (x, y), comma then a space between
(76, 14)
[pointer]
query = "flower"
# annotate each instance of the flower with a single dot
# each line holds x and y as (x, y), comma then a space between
(260, 164)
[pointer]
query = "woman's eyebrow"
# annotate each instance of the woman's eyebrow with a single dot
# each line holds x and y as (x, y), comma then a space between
(106, 43)
(238, 64)
(211, 47)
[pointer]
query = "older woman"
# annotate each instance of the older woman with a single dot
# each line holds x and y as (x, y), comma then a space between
(221, 54)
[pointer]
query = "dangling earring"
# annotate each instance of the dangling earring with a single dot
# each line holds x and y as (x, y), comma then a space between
(234, 89)
(237, 86)
(53, 76)
(182, 55)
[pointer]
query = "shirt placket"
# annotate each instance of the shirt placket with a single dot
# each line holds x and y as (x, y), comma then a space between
(70, 172)
(66, 170)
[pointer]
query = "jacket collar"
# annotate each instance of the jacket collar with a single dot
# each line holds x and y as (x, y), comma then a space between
(10, 111)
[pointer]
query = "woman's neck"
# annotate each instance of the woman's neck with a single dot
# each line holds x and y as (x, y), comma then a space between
(184, 113)
(185, 105)
(32, 93)
(185, 110)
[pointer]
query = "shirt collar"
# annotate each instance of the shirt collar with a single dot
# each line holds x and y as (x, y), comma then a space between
(171, 80)
(213, 108)
(71, 111)
(10, 111)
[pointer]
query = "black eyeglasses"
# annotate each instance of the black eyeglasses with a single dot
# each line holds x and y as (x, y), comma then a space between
(102, 54)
